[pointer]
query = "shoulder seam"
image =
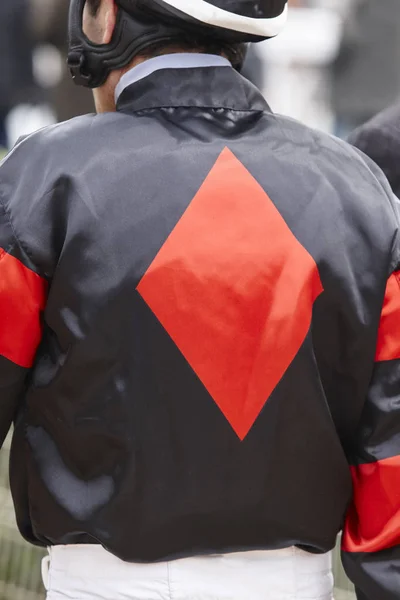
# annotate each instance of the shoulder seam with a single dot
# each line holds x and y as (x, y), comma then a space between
(14, 233)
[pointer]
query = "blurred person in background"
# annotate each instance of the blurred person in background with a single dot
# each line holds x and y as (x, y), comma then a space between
(379, 138)
(366, 74)
(298, 79)
(198, 299)
(50, 26)
(16, 73)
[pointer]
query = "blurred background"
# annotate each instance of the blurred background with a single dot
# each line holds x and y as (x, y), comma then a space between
(335, 66)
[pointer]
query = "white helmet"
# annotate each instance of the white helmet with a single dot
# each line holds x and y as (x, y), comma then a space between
(262, 18)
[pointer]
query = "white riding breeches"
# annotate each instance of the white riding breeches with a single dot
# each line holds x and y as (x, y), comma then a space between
(89, 572)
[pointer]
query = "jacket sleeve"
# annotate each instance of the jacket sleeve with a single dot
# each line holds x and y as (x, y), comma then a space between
(371, 537)
(22, 299)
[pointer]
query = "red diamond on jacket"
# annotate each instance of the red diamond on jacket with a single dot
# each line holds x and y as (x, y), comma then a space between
(234, 289)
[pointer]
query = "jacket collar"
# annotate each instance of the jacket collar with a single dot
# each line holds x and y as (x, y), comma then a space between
(200, 87)
(179, 60)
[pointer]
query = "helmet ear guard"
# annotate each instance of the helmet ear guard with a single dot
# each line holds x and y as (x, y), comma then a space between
(90, 64)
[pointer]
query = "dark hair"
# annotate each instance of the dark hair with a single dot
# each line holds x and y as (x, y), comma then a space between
(94, 6)
(235, 53)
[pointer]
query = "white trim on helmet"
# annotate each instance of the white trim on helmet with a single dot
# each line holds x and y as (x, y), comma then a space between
(217, 17)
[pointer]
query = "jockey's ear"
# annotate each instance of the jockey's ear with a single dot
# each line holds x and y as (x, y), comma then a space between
(99, 19)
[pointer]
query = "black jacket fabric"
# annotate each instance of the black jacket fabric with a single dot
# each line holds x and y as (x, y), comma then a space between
(192, 344)
(379, 138)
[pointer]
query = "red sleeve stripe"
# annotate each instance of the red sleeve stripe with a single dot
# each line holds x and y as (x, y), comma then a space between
(373, 522)
(388, 345)
(22, 300)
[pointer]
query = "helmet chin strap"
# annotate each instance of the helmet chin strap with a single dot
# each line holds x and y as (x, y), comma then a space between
(90, 64)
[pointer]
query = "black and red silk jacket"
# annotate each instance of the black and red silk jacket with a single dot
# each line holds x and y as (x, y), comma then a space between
(200, 332)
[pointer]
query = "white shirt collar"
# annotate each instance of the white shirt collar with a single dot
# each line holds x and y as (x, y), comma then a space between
(181, 60)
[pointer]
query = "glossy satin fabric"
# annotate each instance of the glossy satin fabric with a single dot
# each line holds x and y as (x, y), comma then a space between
(215, 350)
